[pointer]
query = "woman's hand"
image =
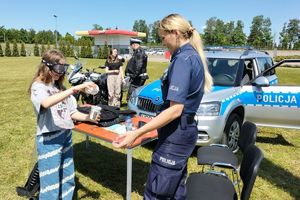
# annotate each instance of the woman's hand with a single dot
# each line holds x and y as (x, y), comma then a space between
(125, 140)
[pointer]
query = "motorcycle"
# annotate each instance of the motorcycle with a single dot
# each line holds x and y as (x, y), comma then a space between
(78, 76)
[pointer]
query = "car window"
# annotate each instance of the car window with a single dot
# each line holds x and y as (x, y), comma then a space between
(248, 72)
(223, 70)
(264, 64)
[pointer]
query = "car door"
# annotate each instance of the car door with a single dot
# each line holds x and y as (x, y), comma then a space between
(273, 105)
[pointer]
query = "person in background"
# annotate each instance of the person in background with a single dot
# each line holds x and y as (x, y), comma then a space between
(115, 77)
(136, 67)
(55, 109)
(183, 86)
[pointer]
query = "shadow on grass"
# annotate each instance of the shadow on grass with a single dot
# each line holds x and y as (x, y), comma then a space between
(108, 168)
(280, 177)
(194, 153)
(87, 192)
(279, 139)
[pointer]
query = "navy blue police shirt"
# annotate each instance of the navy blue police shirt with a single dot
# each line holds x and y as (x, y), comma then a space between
(184, 82)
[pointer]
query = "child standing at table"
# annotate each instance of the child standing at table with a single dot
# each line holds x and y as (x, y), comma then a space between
(55, 109)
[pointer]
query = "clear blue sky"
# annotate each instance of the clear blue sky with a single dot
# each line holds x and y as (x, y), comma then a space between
(81, 15)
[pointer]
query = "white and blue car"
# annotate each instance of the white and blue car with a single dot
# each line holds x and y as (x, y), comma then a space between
(245, 88)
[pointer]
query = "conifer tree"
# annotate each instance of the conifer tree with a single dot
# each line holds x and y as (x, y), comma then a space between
(105, 51)
(48, 46)
(43, 49)
(7, 49)
(23, 51)
(70, 51)
(62, 48)
(100, 53)
(36, 50)
(1, 51)
(67, 50)
(15, 49)
(89, 52)
(83, 52)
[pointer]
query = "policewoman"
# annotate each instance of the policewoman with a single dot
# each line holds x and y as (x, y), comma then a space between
(183, 86)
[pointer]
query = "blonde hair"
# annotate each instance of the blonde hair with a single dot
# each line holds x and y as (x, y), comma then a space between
(177, 22)
(43, 75)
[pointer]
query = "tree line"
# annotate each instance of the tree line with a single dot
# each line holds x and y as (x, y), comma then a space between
(215, 33)
(219, 33)
(84, 51)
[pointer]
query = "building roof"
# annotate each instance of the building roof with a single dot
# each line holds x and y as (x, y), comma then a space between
(110, 32)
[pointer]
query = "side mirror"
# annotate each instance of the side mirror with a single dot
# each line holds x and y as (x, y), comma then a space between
(77, 68)
(261, 82)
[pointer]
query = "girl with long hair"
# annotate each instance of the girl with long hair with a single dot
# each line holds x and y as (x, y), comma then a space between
(115, 77)
(55, 109)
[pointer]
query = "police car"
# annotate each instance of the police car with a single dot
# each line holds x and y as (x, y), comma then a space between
(245, 88)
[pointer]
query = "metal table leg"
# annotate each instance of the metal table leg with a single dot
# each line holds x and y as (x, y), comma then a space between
(87, 141)
(129, 174)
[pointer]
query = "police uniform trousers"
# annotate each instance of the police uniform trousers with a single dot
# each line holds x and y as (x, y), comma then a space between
(135, 83)
(55, 164)
(168, 170)
(114, 82)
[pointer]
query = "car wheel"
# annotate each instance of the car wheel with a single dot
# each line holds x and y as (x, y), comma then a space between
(232, 131)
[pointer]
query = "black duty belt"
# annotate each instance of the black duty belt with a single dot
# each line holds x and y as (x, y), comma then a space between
(190, 118)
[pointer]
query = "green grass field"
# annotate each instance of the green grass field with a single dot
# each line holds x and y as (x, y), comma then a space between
(101, 170)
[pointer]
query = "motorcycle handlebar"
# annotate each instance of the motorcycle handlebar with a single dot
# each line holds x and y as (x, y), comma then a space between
(102, 67)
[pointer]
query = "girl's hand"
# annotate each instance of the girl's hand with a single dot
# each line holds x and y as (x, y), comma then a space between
(125, 140)
(96, 121)
(84, 86)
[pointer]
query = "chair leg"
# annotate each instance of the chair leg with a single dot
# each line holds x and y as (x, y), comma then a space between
(233, 177)
(237, 180)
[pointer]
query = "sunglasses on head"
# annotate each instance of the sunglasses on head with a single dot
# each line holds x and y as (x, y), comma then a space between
(56, 67)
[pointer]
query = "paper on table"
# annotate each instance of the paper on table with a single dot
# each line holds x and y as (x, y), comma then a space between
(117, 128)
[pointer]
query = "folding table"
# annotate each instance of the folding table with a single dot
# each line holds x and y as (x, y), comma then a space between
(108, 136)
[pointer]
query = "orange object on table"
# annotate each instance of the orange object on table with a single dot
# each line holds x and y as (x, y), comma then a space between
(109, 136)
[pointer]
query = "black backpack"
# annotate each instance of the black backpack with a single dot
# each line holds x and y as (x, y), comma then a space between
(110, 115)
